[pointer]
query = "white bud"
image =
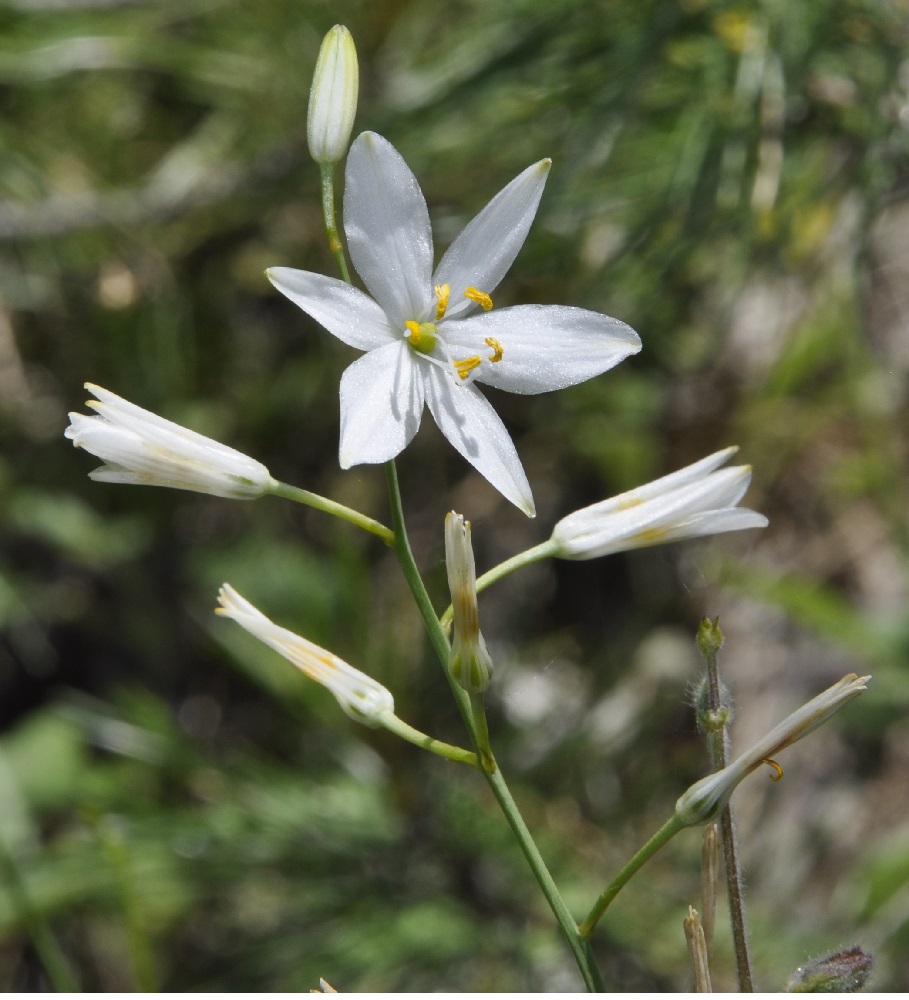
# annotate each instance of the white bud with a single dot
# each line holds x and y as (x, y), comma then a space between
(696, 500)
(144, 449)
(333, 97)
(362, 698)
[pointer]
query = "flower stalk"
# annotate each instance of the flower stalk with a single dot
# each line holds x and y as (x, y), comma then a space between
(580, 947)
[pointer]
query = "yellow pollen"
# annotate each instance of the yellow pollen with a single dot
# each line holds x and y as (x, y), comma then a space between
(475, 295)
(442, 294)
(497, 349)
(465, 367)
(776, 767)
(629, 503)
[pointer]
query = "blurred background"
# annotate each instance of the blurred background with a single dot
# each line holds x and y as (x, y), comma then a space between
(179, 810)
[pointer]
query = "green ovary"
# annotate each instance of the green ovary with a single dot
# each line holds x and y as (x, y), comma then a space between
(422, 336)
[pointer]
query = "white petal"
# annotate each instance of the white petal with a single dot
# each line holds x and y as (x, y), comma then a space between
(358, 694)
(543, 347)
(618, 519)
(659, 487)
(388, 231)
(717, 522)
(484, 251)
(351, 315)
(381, 405)
(470, 423)
(141, 447)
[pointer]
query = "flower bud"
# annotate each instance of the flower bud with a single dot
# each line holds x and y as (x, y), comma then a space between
(844, 971)
(333, 97)
(707, 797)
(141, 448)
(697, 500)
(470, 663)
(361, 697)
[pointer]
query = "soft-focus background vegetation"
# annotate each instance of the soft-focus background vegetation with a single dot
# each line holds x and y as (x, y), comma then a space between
(182, 810)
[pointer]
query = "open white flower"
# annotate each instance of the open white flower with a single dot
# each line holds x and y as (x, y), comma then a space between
(360, 696)
(425, 339)
(144, 449)
(696, 500)
(704, 799)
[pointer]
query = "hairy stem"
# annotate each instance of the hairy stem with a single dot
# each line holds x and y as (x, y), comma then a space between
(718, 746)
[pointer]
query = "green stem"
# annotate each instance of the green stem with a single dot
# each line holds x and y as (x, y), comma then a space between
(332, 507)
(46, 946)
(331, 225)
(138, 943)
(658, 840)
(580, 946)
(446, 750)
(542, 551)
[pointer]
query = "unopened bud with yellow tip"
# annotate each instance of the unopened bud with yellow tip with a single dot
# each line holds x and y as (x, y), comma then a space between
(470, 663)
(333, 97)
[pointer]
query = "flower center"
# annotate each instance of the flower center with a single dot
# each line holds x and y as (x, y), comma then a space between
(422, 336)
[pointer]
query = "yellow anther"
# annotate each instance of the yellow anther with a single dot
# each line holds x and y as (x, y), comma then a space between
(475, 295)
(497, 349)
(776, 767)
(465, 367)
(442, 294)
(422, 336)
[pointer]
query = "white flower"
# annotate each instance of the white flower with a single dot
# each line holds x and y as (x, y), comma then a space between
(360, 696)
(333, 97)
(470, 663)
(425, 341)
(144, 449)
(696, 500)
(704, 799)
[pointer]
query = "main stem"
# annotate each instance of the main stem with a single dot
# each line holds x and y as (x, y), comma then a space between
(580, 946)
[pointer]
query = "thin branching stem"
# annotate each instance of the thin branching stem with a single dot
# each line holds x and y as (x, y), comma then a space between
(336, 509)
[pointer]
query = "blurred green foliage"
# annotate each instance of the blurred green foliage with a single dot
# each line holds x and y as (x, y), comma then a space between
(178, 806)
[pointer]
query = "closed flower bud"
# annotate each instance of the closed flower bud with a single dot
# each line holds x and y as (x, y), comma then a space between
(141, 448)
(697, 500)
(362, 698)
(844, 971)
(333, 97)
(470, 663)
